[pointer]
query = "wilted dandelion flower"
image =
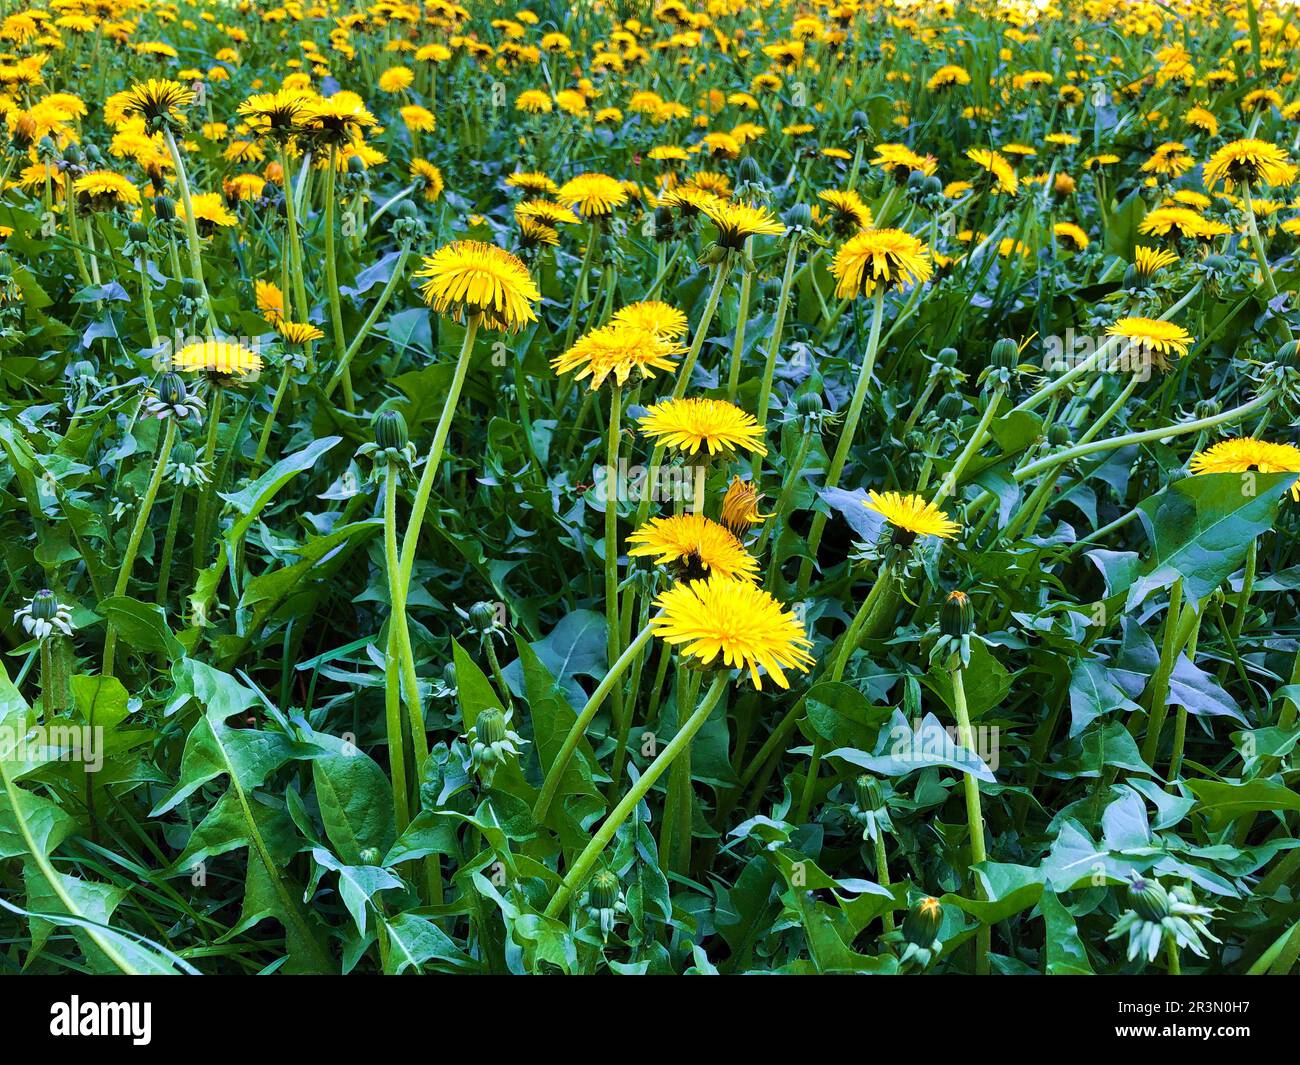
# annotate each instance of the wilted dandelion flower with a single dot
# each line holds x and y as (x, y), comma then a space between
(880, 258)
(911, 516)
(618, 350)
(740, 510)
(694, 546)
(469, 277)
(734, 621)
(691, 424)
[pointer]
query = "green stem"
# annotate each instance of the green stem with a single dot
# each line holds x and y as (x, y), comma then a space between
(846, 437)
(974, 814)
(580, 869)
(332, 280)
(137, 534)
(191, 226)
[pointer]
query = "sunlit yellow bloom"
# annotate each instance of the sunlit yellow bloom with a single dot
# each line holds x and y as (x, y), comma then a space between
(740, 510)
(1250, 161)
(995, 164)
(1073, 233)
(694, 546)
(1149, 260)
(429, 179)
(222, 357)
(297, 332)
(911, 516)
(1246, 453)
(656, 316)
(736, 621)
(593, 195)
(1153, 336)
(879, 258)
(469, 278)
(737, 222)
(104, 188)
(618, 350)
(714, 424)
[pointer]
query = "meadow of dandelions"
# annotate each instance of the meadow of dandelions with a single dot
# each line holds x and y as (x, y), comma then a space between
(616, 487)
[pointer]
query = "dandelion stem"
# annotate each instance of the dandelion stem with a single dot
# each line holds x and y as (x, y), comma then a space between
(846, 437)
(137, 534)
(974, 814)
(580, 869)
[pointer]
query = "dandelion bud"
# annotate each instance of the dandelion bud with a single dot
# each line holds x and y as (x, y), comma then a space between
(798, 217)
(191, 289)
(1005, 354)
(390, 430)
(957, 615)
(810, 404)
(947, 357)
(749, 172)
(1058, 435)
(916, 442)
(867, 793)
(921, 925)
(356, 165)
(861, 123)
(603, 890)
(1206, 408)
(916, 181)
(490, 726)
(483, 616)
(1149, 899)
(45, 605)
(950, 406)
(137, 233)
(184, 454)
(164, 207)
(171, 389)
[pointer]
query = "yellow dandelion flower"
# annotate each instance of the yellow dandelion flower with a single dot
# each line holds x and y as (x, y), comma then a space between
(1247, 453)
(694, 547)
(690, 424)
(1153, 337)
(1251, 162)
(593, 195)
(618, 350)
(224, 358)
(880, 258)
(911, 516)
(737, 622)
(469, 278)
(1148, 261)
(656, 316)
(737, 222)
(740, 510)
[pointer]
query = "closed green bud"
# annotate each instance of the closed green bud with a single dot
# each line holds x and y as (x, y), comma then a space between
(1058, 434)
(921, 925)
(810, 403)
(957, 615)
(950, 406)
(1206, 408)
(490, 727)
(603, 890)
(45, 605)
(916, 181)
(356, 165)
(137, 233)
(749, 172)
(947, 357)
(390, 430)
(183, 454)
(1149, 899)
(1005, 354)
(867, 793)
(663, 224)
(483, 615)
(798, 217)
(171, 389)
(164, 207)
(191, 289)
